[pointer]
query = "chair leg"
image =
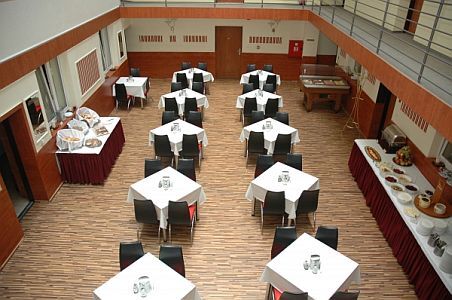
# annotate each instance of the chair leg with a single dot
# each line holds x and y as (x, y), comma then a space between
(169, 232)
(253, 206)
(282, 223)
(314, 218)
(262, 218)
(158, 234)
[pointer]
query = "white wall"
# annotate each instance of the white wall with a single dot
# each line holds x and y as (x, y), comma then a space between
(27, 23)
(288, 30)
(441, 39)
(326, 46)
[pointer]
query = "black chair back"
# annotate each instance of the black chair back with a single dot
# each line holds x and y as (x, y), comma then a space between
(176, 86)
(152, 166)
(197, 77)
(274, 203)
(168, 116)
(190, 147)
(268, 87)
(268, 68)
(247, 87)
(328, 235)
(121, 95)
(345, 295)
(162, 146)
(249, 106)
(173, 257)
(185, 65)
(284, 236)
(129, 252)
(271, 79)
(178, 213)
(263, 163)
(292, 296)
(171, 105)
(256, 116)
(135, 72)
(271, 108)
(254, 80)
(182, 78)
(282, 144)
(190, 105)
(256, 143)
(195, 118)
(202, 66)
(145, 212)
(295, 160)
(198, 87)
(186, 166)
(308, 202)
(250, 68)
(282, 117)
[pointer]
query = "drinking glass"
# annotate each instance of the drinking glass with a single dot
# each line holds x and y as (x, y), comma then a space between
(166, 183)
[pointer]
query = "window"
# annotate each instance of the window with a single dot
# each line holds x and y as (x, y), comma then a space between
(121, 45)
(51, 88)
(105, 49)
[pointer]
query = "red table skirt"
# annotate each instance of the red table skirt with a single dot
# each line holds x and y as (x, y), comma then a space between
(404, 246)
(92, 168)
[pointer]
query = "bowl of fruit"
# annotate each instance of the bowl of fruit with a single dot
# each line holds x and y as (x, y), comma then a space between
(403, 157)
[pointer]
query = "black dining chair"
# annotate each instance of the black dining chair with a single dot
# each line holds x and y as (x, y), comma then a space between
(198, 77)
(283, 144)
(263, 163)
(271, 108)
(274, 205)
(247, 87)
(168, 116)
(180, 213)
(191, 104)
(250, 68)
(254, 80)
(185, 65)
(328, 235)
(145, 214)
(282, 117)
(257, 116)
(271, 79)
(248, 107)
(135, 72)
(162, 147)
(171, 105)
(173, 257)
(255, 144)
(129, 252)
(295, 160)
(198, 87)
(152, 166)
(182, 78)
(190, 147)
(277, 295)
(349, 295)
(176, 86)
(268, 68)
(186, 166)
(122, 98)
(195, 118)
(308, 203)
(202, 66)
(284, 236)
(268, 87)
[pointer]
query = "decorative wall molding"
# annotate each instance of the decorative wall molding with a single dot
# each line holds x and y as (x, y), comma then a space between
(150, 38)
(418, 120)
(265, 40)
(172, 38)
(88, 71)
(194, 38)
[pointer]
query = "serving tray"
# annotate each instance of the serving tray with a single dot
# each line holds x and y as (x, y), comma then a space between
(372, 153)
(429, 211)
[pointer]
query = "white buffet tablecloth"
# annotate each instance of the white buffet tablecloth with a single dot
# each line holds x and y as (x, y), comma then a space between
(182, 189)
(268, 181)
(261, 99)
(270, 134)
(262, 77)
(166, 283)
(109, 123)
(175, 137)
(207, 76)
(180, 99)
(286, 272)
(423, 185)
(135, 87)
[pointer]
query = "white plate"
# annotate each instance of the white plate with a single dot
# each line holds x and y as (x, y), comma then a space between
(68, 114)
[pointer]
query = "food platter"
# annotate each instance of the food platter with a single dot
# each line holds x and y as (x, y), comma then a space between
(93, 143)
(373, 153)
(403, 165)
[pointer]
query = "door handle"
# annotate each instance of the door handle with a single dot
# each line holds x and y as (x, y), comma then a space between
(239, 51)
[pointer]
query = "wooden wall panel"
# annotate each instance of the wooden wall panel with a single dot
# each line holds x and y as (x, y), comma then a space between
(214, 13)
(11, 232)
(326, 60)
(422, 101)
(22, 64)
(287, 67)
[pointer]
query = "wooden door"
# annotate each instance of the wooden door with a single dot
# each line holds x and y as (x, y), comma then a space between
(228, 48)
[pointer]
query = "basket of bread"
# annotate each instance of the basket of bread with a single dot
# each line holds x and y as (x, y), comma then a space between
(88, 115)
(78, 125)
(69, 139)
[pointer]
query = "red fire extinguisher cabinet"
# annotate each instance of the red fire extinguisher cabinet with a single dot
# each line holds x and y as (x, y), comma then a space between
(295, 48)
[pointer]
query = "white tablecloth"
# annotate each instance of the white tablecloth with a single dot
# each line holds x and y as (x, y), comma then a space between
(268, 181)
(180, 99)
(260, 99)
(286, 272)
(109, 123)
(166, 283)
(207, 76)
(270, 135)
(175, 137)
(182, 189)
(262, 77)
(137, 87)
(423, 185)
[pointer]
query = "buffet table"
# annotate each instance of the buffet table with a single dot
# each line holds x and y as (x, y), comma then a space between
(409, 247)
(93, 165)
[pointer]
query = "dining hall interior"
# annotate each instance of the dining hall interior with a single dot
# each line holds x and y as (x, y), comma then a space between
(365, 86)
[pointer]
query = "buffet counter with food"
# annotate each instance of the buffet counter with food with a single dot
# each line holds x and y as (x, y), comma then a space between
(89, 148)
(421, 243)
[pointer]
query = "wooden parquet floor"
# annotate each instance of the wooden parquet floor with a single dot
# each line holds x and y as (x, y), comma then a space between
(71, 243)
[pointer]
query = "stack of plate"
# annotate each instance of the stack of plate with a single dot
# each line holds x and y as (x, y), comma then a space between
(440, 226)
(424, 227)
(445, 263)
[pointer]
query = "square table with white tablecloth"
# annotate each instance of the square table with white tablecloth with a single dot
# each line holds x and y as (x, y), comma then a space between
(180, 99)
(271, 128)
(135, 86)
(262, 77)
(182, 189)
(269, 181)
(165, 283)
(207, 76)
(175, 136)
(286, 272)
(261, 99)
